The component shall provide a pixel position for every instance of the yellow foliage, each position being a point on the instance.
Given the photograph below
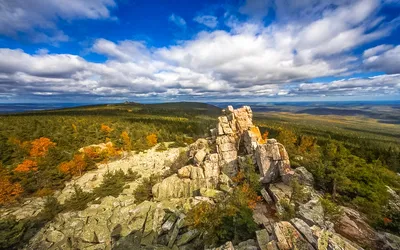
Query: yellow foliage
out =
(151, 140)
(44, 192)
(74, 128)
(26, 166)
(40, 147)
(106, 128)
(126, 140)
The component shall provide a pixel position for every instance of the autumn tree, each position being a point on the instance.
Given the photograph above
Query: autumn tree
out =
(106, 129)
(40, 147)
(265, 135)
(151, 140)
(26, 166)
(74, 167)
(8, 191)
(127, 141)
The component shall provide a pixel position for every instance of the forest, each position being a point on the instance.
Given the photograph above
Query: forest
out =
(352, 160)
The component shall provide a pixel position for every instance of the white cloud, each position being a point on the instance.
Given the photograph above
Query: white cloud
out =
(378, 85)
(377, 50)
(209, 21)
(383, 58)
(248, 60)
(38, 18)
(177, 20)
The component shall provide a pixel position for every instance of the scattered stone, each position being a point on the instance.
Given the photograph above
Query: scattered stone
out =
(272, 245)
(186, 237)
(199, 156)
(266, 196)
(312, 212)
(211, 193)
(169, 223)
(262, 238)
(305, 230)
(288, 237)
(304, 177)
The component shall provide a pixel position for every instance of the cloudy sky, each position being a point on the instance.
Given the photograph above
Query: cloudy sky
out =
(170, 50)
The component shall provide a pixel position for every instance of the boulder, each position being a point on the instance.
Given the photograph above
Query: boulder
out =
(272, 245)
(186, 237)
(389, 241)
(394, 201)
(279, 191)
(330, 240)
(175, 187)
(312, 212)
(169, 223)
(352, 226)
(266, 196)
(227, 246)
(273, 161)
(211, 193)
(304, 177)
(262, 238)
(199, 156)
(288, 237)
(211, 167)
(184, 172)
(305, 230)
(247, 245)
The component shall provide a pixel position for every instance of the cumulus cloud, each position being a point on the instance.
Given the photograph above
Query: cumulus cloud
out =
(250, 59)
(38, 18)
(209, 21)
(177, 20)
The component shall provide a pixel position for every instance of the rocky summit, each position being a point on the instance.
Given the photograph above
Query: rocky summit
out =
(160, 223)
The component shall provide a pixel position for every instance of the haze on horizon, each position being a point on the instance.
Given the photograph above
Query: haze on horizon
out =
(154, 51)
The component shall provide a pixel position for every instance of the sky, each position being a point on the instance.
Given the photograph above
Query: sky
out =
(167, 50)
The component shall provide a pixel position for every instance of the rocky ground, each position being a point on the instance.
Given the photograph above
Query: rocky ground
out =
(121, 223)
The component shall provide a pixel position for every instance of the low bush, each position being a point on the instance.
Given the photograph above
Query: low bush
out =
(143, 191)
(332, 211)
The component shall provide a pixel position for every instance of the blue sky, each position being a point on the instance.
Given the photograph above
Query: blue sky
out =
(151, 51)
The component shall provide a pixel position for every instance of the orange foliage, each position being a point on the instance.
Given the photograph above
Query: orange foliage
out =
(126, 140)
(9, 191)
(75, 166)
(257, 133)
(26, 166)
(251, 196)
(151, 139)
(106, 129)
(239, 177)
(40, 147)
(92, 152)
(265, 135)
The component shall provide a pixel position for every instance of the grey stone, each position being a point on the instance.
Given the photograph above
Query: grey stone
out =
(262, 238)
(305, 230)
(312, 212)
(186, 237)
(266, 196)
(169, 223)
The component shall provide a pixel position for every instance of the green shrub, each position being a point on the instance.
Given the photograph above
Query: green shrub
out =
(11, 232)
(78, 200)
(288, 210)
(162, 147)
(332, 211)
(143, 191)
